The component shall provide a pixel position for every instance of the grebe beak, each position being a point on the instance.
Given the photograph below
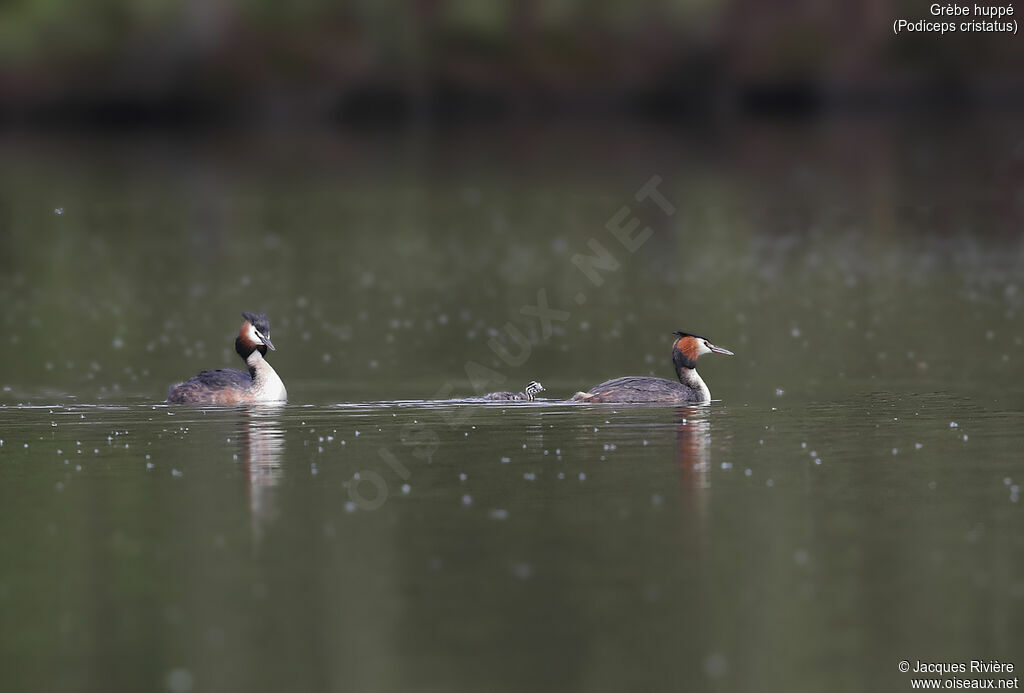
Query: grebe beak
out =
(265, 340)
(719, 350)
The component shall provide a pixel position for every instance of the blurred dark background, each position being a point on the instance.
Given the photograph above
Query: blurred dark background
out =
(365, 169)
(115, 64)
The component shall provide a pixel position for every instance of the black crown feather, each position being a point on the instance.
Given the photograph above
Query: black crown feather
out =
(260, 321)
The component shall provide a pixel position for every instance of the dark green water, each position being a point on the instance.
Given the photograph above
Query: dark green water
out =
(850, 499)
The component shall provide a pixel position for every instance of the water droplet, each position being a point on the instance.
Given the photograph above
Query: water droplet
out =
(523, 571)
(179, 681)
(715, 665)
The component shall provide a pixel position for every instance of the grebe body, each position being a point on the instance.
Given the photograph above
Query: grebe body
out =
(690, 388)
(529, 393)
(260, 383)
(637, 389)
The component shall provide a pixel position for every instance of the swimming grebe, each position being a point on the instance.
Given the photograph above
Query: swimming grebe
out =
(527, 395)
(228, 386)
(691, 388)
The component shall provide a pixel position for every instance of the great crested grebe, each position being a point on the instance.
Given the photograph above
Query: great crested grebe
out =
(527, 395)
(229, 386)
(691, 388)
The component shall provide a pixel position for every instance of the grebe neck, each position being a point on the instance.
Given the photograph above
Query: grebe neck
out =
(691, 379)
(265, 380)
(255, 362)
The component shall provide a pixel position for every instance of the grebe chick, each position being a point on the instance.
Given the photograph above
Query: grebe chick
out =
(527, 395)
(690, 389)
(229, 386)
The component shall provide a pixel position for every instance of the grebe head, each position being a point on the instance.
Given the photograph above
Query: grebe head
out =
(689, 347)
(533, 388)
(254, 335)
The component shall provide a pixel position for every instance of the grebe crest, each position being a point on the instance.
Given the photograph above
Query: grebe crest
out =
(686, 349)
(228, 386)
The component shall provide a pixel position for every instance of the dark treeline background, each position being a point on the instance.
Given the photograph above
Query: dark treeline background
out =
(112, 63)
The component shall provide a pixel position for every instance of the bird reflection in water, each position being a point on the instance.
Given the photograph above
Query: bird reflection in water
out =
(262, 447)
(693, 457)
